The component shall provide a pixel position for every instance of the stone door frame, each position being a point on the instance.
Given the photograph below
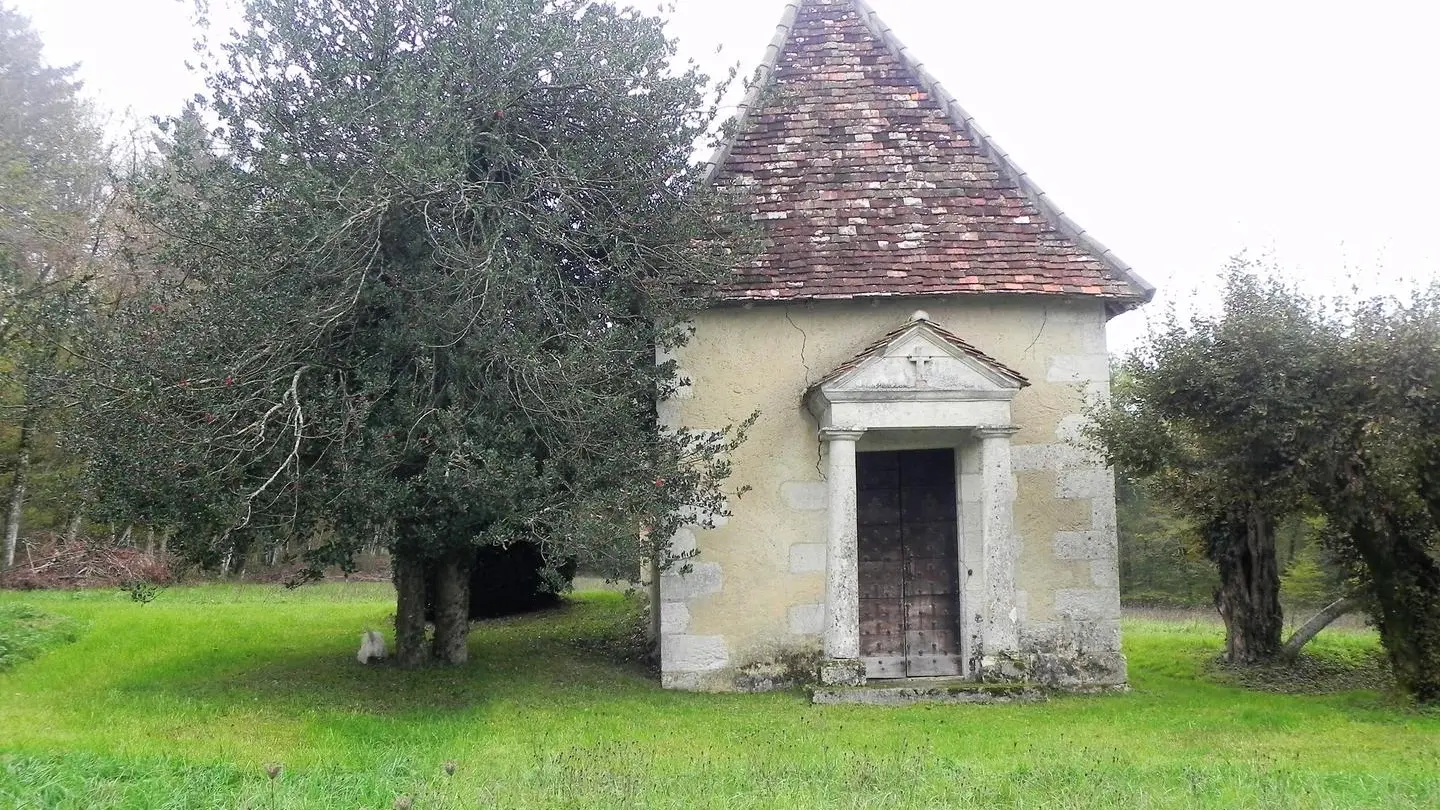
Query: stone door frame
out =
(890, 391)
(994, 610)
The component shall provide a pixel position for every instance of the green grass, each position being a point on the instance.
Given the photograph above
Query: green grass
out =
(26, 632)
(182, 702)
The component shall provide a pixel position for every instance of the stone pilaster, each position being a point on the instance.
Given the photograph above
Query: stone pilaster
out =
(1000, 548)
(842, 570)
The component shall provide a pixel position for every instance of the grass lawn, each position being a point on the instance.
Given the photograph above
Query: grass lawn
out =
(182, 703)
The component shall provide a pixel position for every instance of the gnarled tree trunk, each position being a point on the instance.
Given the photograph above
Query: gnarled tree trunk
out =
(1242, 544)
(1405, 580)
(452, 608)
(409, 574)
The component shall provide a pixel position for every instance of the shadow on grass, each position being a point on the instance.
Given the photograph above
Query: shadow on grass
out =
(586, 645)
(1321, 671)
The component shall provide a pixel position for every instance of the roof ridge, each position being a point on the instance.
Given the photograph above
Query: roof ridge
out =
(966, 121)
(755, 89)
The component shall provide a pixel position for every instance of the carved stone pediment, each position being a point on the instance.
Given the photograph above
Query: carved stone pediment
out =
(920, 362)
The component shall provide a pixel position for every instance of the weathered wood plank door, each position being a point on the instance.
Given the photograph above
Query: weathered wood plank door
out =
(909, 563)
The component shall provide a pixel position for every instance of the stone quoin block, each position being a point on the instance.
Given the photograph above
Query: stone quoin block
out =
(682, 652)
(1071, 430)
(674, 617)
(807, 620)
(1090, 545)
(807, 558)
(1102, 515)
(704, 578)
(1105, 573)
(1088, 604)
(683, 541)
(806, 496)
(1085, 482)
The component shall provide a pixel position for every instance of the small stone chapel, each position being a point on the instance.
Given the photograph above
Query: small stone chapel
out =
(921, 335)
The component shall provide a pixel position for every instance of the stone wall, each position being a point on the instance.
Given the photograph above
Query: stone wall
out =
(749, 613)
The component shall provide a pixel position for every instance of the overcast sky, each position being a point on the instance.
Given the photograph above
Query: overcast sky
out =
(1177, 134)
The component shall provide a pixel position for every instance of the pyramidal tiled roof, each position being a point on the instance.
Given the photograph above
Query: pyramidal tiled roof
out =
(870, 180)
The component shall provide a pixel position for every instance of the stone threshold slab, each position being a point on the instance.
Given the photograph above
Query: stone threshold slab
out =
(911, 691)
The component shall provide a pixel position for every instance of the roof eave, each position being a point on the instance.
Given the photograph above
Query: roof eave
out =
(1114, 304)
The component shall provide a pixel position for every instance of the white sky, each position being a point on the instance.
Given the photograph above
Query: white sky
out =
(1177, 134)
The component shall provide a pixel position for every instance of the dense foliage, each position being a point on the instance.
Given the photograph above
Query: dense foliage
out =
(1280, 407)
(417, 277)
(1374, 466)
(53, 199)
(1196, 411)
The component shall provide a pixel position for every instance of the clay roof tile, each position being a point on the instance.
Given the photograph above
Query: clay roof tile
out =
(867, 178)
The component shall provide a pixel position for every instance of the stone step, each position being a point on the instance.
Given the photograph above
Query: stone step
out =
(910, 691)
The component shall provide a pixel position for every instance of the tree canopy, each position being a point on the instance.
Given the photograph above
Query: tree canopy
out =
(419, 260)
(54, 192)
(1281, 405)
(1215, 412)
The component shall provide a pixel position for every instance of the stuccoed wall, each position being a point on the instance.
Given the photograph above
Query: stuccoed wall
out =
(749, 614)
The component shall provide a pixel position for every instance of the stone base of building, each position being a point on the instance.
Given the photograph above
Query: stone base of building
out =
(842, 672)
(1054, 670)
(1058, 671)
(907, 692)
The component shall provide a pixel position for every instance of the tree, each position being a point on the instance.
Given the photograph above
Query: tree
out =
(1282, 406)
(1212, 413)
(420, 265)
(53, 193)
(1375, 471)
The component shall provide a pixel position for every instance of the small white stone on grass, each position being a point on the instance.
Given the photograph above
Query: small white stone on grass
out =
(372, 647)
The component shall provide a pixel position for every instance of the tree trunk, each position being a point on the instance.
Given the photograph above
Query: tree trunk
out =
(652, 591)
(1409, 623)
(409, 574)
(1242, 544)
(1405, 581)
(72, 529)
(1318, 622)
(16, 507)
(452, 608)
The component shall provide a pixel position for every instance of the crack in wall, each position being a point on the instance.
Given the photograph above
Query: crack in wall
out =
(1044, 319)
(804, 343)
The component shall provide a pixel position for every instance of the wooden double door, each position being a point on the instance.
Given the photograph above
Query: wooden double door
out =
(909, 563)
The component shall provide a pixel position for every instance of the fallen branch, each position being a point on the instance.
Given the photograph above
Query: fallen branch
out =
(1317, 623)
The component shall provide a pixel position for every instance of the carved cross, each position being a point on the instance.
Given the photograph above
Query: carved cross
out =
(921, 362)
